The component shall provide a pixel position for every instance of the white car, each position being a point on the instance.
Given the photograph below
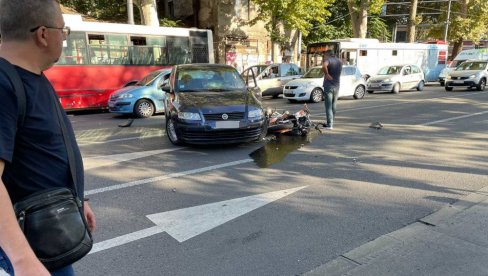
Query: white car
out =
(310, 86)
(396, 78)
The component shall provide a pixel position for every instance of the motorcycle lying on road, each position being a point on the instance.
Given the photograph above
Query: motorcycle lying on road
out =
(296, 124)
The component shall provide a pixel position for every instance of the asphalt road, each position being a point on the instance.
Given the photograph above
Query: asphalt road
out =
(304, 203)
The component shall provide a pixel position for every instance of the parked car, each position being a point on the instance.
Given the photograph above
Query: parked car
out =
(397, 78)
(471, 73)
(211, 104)
(310, 86)
(471, 54)
(271, 78)
(143, 98)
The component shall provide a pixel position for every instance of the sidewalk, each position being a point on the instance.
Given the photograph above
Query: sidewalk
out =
(451, 241)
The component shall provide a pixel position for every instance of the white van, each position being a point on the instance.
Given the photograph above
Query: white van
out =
(473, 54)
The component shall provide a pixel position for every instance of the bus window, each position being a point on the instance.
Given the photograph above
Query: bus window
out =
(98, 49)
(75, 52)
(118, 49)
(179, 50)
(158, 49)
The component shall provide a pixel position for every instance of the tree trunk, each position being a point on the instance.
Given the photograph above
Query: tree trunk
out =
(457, 47)
(359, 17)
(149, 12)
(411, 21)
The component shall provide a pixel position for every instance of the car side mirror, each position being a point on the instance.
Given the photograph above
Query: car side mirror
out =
(166, 88)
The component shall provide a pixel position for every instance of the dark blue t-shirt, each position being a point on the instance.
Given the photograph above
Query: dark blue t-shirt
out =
(35, 155)
(335, 69)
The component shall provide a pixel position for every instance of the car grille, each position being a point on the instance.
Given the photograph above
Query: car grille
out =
(289, 94)
(375, 81)
(221, 136)
(459, 78)
(291, 87)
(218, 116)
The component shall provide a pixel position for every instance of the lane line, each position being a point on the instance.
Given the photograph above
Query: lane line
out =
(454, 118)
(119, 140)
(402, 103)
(107, 160)
(163, 177)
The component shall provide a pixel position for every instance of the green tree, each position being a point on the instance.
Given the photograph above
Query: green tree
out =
(281, 16)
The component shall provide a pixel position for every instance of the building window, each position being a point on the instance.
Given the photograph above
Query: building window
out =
(394, 53)
(363, 53)
(241, 8)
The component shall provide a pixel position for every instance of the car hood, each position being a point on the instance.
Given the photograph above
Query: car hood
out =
(208, 102)
(445, 71)
(464, 73)
(383, 77)
(132, 89)
(305, 82)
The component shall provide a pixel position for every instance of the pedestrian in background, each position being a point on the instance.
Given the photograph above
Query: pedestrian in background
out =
(33, 157)
(332, 67)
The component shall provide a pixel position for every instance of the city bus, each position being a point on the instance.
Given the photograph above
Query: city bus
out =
(370, 55)
(99, 58)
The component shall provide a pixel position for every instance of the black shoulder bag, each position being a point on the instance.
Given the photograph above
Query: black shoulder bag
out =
(52, 220)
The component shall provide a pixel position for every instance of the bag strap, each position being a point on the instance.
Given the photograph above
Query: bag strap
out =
(67, 141)
(16, 82)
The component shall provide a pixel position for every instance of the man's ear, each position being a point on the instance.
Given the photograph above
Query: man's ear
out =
(41, 36)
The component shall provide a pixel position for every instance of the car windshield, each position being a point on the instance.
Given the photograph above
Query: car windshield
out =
(390, 70)
(471, 65)
(149, 79)
(214, 79)
(314, 73)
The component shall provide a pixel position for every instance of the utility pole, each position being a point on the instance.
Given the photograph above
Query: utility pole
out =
(130, 12)
(447, 20)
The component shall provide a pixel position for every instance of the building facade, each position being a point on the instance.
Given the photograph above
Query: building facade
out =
(236, 42)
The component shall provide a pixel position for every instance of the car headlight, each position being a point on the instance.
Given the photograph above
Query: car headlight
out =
(189, 116)
(472, 76)
(255, 114)
(387, 80)
(126, 96)
(448, 77)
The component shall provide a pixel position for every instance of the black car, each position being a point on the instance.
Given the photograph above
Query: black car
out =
(211, 104)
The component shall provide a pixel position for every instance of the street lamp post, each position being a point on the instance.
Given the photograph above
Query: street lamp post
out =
(447, 20)
(130, 12)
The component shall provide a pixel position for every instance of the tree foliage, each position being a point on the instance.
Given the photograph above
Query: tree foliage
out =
(291, 14)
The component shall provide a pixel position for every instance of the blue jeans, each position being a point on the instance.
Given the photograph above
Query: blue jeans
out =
(7, 267)
(330, 98)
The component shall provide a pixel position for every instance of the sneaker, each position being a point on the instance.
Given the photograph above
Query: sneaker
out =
(329, 127)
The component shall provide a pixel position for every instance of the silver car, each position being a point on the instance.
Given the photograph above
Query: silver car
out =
(396, 78)
(310, 86)
(271, 78)
(471, 73)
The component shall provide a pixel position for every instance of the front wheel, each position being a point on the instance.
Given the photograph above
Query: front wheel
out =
(481, 86)
(420, 86)
(316, 95)
(359, 92)
(172, 133)
(396, 88)
(143, 108)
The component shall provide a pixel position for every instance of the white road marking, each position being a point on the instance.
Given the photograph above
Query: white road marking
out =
(402, 103)
(82, 143)
(184, 224)
(454, 118)
(163, 177)
(100, 161)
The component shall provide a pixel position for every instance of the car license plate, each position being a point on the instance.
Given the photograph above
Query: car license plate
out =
(458, 81)
(227, 124)
(374, 85)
